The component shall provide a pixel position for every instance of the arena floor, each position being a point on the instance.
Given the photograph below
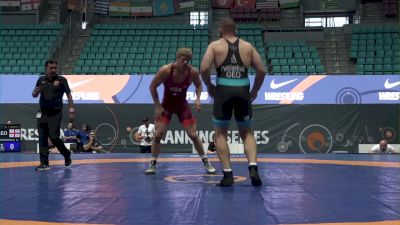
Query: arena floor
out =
(320, 189)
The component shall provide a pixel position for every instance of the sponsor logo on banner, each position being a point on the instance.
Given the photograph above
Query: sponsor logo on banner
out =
(390, 85)
(245, 4)
(191, 95)
(226, 4)
(96, 88)
(163, 7)
(282, 96)
(180, 137)
(274, 85)
(390, 95)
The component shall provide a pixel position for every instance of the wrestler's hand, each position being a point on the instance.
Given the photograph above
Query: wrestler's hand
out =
(159, 110)
(211, 90)
(253, 95)
(197, 105)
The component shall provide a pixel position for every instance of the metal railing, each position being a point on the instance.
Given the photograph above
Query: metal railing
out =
(41, 11)
(63, 11)
(69, 33)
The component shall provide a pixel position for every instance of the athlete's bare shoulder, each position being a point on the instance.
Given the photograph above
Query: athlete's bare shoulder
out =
(245, 43)
(216, 43)
(164, 72)
(193, 71)
(166, 68)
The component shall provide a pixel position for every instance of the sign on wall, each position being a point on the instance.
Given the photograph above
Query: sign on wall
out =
(134, 89)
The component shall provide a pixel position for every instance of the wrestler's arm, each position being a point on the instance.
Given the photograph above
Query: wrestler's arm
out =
(160, 77)
(258, 65)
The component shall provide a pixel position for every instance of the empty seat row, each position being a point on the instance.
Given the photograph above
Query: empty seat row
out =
(298, 69)
(21, 69)
(149, 38)
(385, 69)
(148, 32)
(294, 62)
(35, 26)
(18, 56)
(29, 32)
(380, 29)
(26, 50)
(378, 60)
(146, 26)
(289, 55)
(137, 50)
(21, 62)
(286, 43)
(133, 56)
(295, 49)
(27, 39)
(147, 44)
(379, 53)
(365, 48)
(128, 62)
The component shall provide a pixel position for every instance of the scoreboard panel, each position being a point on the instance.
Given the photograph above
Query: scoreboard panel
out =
(10, 137)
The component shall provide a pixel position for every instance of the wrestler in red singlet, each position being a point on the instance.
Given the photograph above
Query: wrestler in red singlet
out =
(174, 101)
(176, 78)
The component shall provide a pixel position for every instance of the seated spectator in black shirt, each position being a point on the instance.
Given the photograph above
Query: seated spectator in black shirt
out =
(92, 145)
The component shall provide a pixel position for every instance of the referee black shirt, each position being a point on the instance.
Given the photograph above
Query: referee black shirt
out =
(53, 90)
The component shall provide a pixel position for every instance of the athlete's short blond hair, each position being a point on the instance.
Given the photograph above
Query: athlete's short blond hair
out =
(185, 52)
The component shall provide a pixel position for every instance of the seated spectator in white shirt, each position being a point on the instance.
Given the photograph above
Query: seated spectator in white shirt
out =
(383, 148)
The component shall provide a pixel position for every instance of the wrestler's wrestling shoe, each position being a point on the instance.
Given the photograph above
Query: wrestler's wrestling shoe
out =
(255, 178)
(207, 165)
(152, 168)
(227, 180)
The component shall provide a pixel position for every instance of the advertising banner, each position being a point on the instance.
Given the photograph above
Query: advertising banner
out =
(134, 89)
(277, 128)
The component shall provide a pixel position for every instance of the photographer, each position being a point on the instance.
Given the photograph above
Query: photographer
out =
(92, 145)
(145, 135)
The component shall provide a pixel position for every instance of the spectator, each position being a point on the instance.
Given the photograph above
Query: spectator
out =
(92, 145)
(70, 134)
(84, 133)
(383, 148)
(145, 135)
(8, 122)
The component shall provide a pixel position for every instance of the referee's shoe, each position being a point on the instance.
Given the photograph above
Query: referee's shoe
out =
(42, 167)
(67, 159)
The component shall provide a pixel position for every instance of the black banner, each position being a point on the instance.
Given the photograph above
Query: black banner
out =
(277, 128)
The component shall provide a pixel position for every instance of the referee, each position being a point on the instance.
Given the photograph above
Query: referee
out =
(51, 88)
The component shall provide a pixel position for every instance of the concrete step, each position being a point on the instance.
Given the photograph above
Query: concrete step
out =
(54, 7)
(53, 12)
